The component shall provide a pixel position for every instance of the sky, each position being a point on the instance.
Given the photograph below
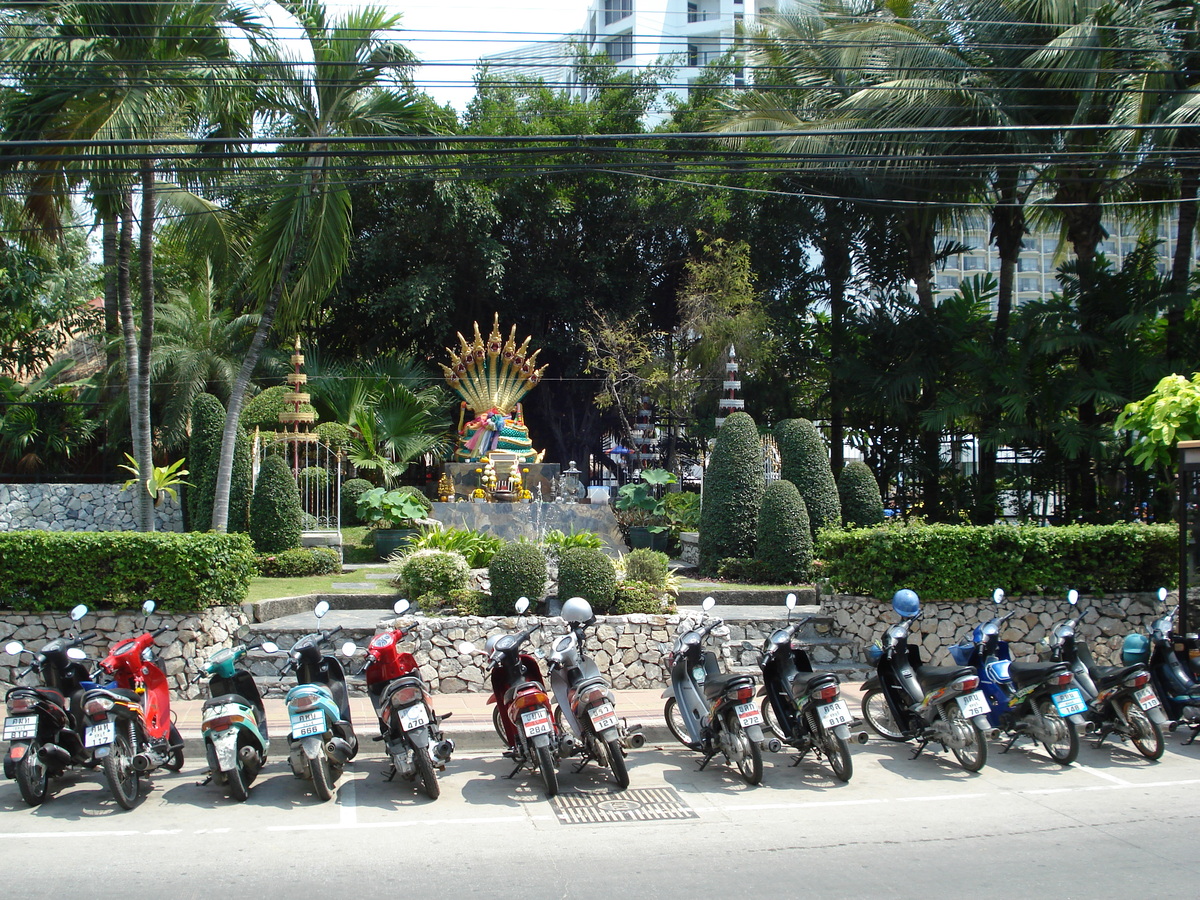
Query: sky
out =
(449, 36)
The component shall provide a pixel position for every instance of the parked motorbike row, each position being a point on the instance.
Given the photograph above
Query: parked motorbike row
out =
(117, 718)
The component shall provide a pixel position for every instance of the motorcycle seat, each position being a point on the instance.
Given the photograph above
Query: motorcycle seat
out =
(588, 683)
(939, 676)
(1109, 676)
(716, 685)
(1024, 674)
(48, 694)
(408, 681)
(222, 699)
(127, 693)
(807, 682)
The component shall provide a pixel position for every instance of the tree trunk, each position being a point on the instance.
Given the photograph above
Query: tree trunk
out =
(146, 458)
(836, 253)
(112, 305)
(129, 333)
(1181, 263)
(921, 234)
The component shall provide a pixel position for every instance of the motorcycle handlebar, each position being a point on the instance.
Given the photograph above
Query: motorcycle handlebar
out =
(85, 637)
(329, 634)
(157, 631)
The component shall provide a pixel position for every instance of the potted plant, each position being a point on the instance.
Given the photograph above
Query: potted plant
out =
(395, 516)
(642, 512)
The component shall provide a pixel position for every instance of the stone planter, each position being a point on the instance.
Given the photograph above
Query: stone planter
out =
(389, 540)
(641, 537)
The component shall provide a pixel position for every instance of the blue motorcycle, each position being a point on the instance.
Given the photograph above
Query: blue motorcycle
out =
(233, 721)
(1027, 699)
(1168, 657)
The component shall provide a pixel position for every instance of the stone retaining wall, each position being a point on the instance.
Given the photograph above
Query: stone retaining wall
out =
(78, 507)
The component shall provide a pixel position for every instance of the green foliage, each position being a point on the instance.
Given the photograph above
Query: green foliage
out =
(45, 428)
(204, 449)
(275, 512)
(641, 503)
(241, 483)
(805, 463)
(639, 597)
(649, 566)
(334, 435)
(352, 490)
(956, 562)
(784, 539)
(477, 603)
(53, 571)
(301, 562)
(744, 571)
(733, 490)
(402, 507)
(556, 540)
(517, 570)
(437, 572)
(314, 478)
(858, 490)
(476, 547)
(683, 510)
(262, 410)
(162, 479)
(587, 573)
(1170, 413)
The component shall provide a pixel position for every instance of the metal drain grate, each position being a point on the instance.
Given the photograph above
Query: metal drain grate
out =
(631, 805)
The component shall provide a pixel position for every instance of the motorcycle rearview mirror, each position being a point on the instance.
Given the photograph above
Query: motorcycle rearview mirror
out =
(1162, 595)
(400, 606)
(12, 648)
(466, 648)
(79, 612)
(1073, 596)
(321, 608)
(269, 646)
(998, 596)
(349, 648)
(148, 607)
(522, 605)
(243, 632)
(708, 604)
(790, 601)
(76, 653)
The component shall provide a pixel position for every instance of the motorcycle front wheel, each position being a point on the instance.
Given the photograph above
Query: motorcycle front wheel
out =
(972, 756)
(878, 715)
(498, 723)
(675, 724)
(771, 723)
(123, 779)
(322, 775)
(749, 761)
(175, 758)
(1065, 746)
(837, 751)
(549, 772)
(616, 762)
(32, 776)
(1143, 731)
(425, 769)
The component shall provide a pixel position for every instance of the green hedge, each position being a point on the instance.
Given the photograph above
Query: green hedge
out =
(958, 562)
(784, 545)
(862, 504)
(301, 562)
(587, 573)
(53, 571)
(275, 514)
(733, 490)
(517, 570)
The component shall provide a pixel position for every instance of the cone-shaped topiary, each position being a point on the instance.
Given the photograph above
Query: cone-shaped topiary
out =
(586, 572)
(275, 509)
(784, 538)
(240, 487)
(733, 491)
(862, 503)
(517, 570)
(805, 463)
(204, 449)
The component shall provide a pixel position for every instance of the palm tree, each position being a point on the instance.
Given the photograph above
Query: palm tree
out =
(343, 93)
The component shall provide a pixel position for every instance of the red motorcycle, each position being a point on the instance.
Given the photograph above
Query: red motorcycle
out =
(128, 723)
(523, 717)
(408, 725)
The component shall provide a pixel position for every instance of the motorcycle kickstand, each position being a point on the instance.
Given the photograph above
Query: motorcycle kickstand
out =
(390, 774)
(520, 766)
(920, 748)
(708, 755)
(207, 780)
(1011, 742)
(1195, 732)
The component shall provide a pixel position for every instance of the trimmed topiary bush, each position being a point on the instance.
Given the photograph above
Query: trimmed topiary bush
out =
(334, 435)
(744, 571)
(862, 504)
(587, 573)
(262, 410)
(241, 484)
(649, 566)
(805, 463)
(301, 562)
(431, 572)
(204, 452)
(351, 491)
(733, 490)
(275, 512)
(517, 570)
(784, 539)
(639, 597)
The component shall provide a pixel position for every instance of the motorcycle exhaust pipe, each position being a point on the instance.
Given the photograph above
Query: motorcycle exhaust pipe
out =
(53, 756)
(773, 745)
(338, 750)
(862, 737)
(636, 741)
(143, 763)
(442, 750)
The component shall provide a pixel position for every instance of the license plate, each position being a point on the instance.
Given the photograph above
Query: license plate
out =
(99, 735)
(1069, 703)
(1146, 698)
(20, 728)
(308, 724)
(748, 714)
(973, 704)
(413, 717)
(535, 722)
(834, 714)
(603, 716)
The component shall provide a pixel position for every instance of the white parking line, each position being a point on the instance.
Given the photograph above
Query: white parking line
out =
(1099, 774)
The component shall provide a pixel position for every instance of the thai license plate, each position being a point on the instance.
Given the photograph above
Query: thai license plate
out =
(308, 724)
(1069, 703)
(20, 728)
(1146, 698)
(413, 716)
(748, 714)
(834, 714)
(100, 735)
(603, 716)
(535, 722)
(973, 704)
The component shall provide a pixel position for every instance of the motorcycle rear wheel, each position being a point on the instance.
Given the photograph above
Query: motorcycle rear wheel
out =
(837, 751)
(123, 779)
(549, 772)
(973, 756)
(616, 762)
(32, 776)
(878, 715)
(1143, 731)
(1063, 750)
(425, 769)
(322, 776)
(239, 785)
(749, 761)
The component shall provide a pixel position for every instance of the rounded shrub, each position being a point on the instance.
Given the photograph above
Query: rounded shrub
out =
(262, 410)
(805, 463)
(862, 504)
(517, 570)
(733, 489)
(334, 435)
(351, 491)
(785, 546)
(649, 566)
(275, 510)
(639, 597)
(314, 478)
(431, 572)
(301, 562)
(476, 603)
(204, 452)
(587, 573)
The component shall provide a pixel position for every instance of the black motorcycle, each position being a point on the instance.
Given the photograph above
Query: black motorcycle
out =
(42, 726)
(1168, 657)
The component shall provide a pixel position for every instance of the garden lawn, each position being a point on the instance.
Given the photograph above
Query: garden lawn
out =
(271, 588)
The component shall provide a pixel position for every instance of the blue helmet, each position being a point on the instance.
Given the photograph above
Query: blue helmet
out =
(906, 603)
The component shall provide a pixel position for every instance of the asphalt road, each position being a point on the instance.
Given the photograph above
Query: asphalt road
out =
(1113, 825)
